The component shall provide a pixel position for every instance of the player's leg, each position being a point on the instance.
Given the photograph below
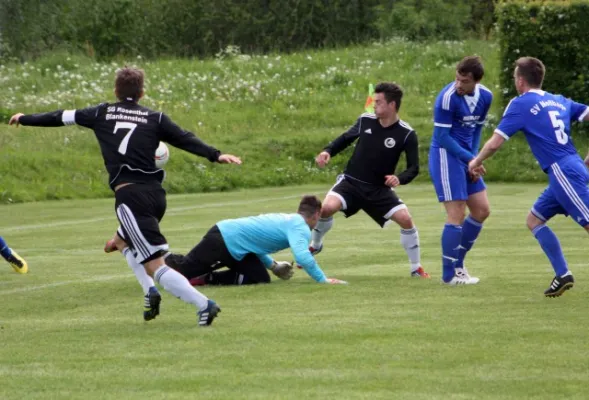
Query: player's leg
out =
(248, 271)
(340, 197)
(545, 207)
(568, 187)
(139, 210)
(480, 209)
(16, 262)
(383, 205)
(449, 180)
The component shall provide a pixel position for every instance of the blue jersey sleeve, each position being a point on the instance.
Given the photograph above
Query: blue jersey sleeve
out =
(298, 239)
(512, 120)
(443, 113)
(266, 260)
(578, 111)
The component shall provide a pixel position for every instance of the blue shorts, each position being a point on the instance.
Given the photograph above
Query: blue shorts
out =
(450, 176)
(567, 192)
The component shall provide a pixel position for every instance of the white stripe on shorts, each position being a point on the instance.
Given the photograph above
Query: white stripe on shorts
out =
(570, 191)
(445, 175)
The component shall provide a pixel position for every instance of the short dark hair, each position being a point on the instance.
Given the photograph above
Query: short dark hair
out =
(129, 83)
(309, 206)
(392, 92)
(471, 65)
(531, 70)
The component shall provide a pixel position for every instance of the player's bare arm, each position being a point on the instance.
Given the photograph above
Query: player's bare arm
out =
(490, 148)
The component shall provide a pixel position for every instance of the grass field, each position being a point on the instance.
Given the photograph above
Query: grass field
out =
(276, 111)
(72, 328)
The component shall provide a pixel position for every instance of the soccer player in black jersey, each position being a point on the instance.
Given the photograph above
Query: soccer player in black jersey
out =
(128, 135)
(369, 179)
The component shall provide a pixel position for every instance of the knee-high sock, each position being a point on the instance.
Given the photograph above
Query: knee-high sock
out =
(323, 226)
(451, 237)
(139, 270)
(551, 246)
(410, 242)
(470, 232)
(178, 285)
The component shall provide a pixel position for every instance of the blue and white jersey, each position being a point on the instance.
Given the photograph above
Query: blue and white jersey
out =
(545, 120)
(462, 114)
(269, 233)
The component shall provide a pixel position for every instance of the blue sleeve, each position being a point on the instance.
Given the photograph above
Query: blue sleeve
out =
(578, 111)
(512, 121)
(298, 240)
(266, 260)
(476, 139)
(442, 135)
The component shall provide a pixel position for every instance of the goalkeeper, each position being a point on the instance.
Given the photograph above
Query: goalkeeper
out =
(243, 246)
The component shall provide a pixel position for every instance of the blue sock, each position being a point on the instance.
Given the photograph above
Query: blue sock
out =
(470, 231)
(4, 249)
(451, 237)
(551, 247)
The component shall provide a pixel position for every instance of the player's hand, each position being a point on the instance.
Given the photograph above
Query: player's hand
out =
(474, 166)
(322, 159)
(229, 159)
(587, 160)
(333, 281)
(476, 174)
(392, 181)
(282, 269)
(14, 120)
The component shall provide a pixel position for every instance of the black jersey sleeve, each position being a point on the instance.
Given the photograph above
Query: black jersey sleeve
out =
(85, 117)
(344, 140)
(411, 149)
(187, 141)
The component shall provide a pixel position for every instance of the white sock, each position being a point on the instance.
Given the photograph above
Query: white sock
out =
(410, 242)
(323, 226)
(139, 270)
(178, 285)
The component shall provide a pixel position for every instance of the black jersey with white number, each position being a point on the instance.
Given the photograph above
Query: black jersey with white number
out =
(378, 150)
(128, 135)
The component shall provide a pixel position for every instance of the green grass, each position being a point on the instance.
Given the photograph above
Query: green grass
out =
(276, 111)
(72, 327)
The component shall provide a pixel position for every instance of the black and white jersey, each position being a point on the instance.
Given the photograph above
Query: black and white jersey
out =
(378, 150)
(128, 135)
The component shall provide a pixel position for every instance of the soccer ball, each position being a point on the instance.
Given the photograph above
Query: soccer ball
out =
(162, 155)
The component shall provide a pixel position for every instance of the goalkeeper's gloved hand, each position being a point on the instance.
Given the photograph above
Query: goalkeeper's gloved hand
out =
(282, 269)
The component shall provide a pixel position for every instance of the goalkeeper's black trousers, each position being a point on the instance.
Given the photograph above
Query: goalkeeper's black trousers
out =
(210, 255)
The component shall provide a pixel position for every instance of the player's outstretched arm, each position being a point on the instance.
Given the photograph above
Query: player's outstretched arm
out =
(50, 119)
(298, 242)
(339, 144)
(490, 148)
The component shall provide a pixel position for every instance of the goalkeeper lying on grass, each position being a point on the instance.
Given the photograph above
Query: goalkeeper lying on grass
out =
(243, 246)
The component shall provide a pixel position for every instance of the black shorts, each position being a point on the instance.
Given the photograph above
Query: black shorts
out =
(211, 253)
(140, 208)
(379, 202)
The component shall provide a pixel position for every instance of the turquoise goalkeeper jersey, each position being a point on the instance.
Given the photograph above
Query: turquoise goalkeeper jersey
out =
(268, 233)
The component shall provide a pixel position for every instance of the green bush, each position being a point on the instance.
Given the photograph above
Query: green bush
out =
(153, 28)
(553, 31)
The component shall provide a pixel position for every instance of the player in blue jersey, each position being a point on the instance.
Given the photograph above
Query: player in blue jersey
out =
(17, 262)
(545, 119)
(459, 114)
(244, 244)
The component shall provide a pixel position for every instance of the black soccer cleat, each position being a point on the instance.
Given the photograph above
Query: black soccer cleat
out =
(152, 304)
(206, 316)
(559, 285)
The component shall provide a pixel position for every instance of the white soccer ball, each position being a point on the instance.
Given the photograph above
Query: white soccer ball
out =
(162, 155)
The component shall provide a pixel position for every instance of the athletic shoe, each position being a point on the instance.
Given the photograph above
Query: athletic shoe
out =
(559, 285)
(110, 246)
(198, 280)
(314, 252)
(206, 316)
(461, 280)
(420, 273)
(463, 273)
(17, 262)
(152, 304)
